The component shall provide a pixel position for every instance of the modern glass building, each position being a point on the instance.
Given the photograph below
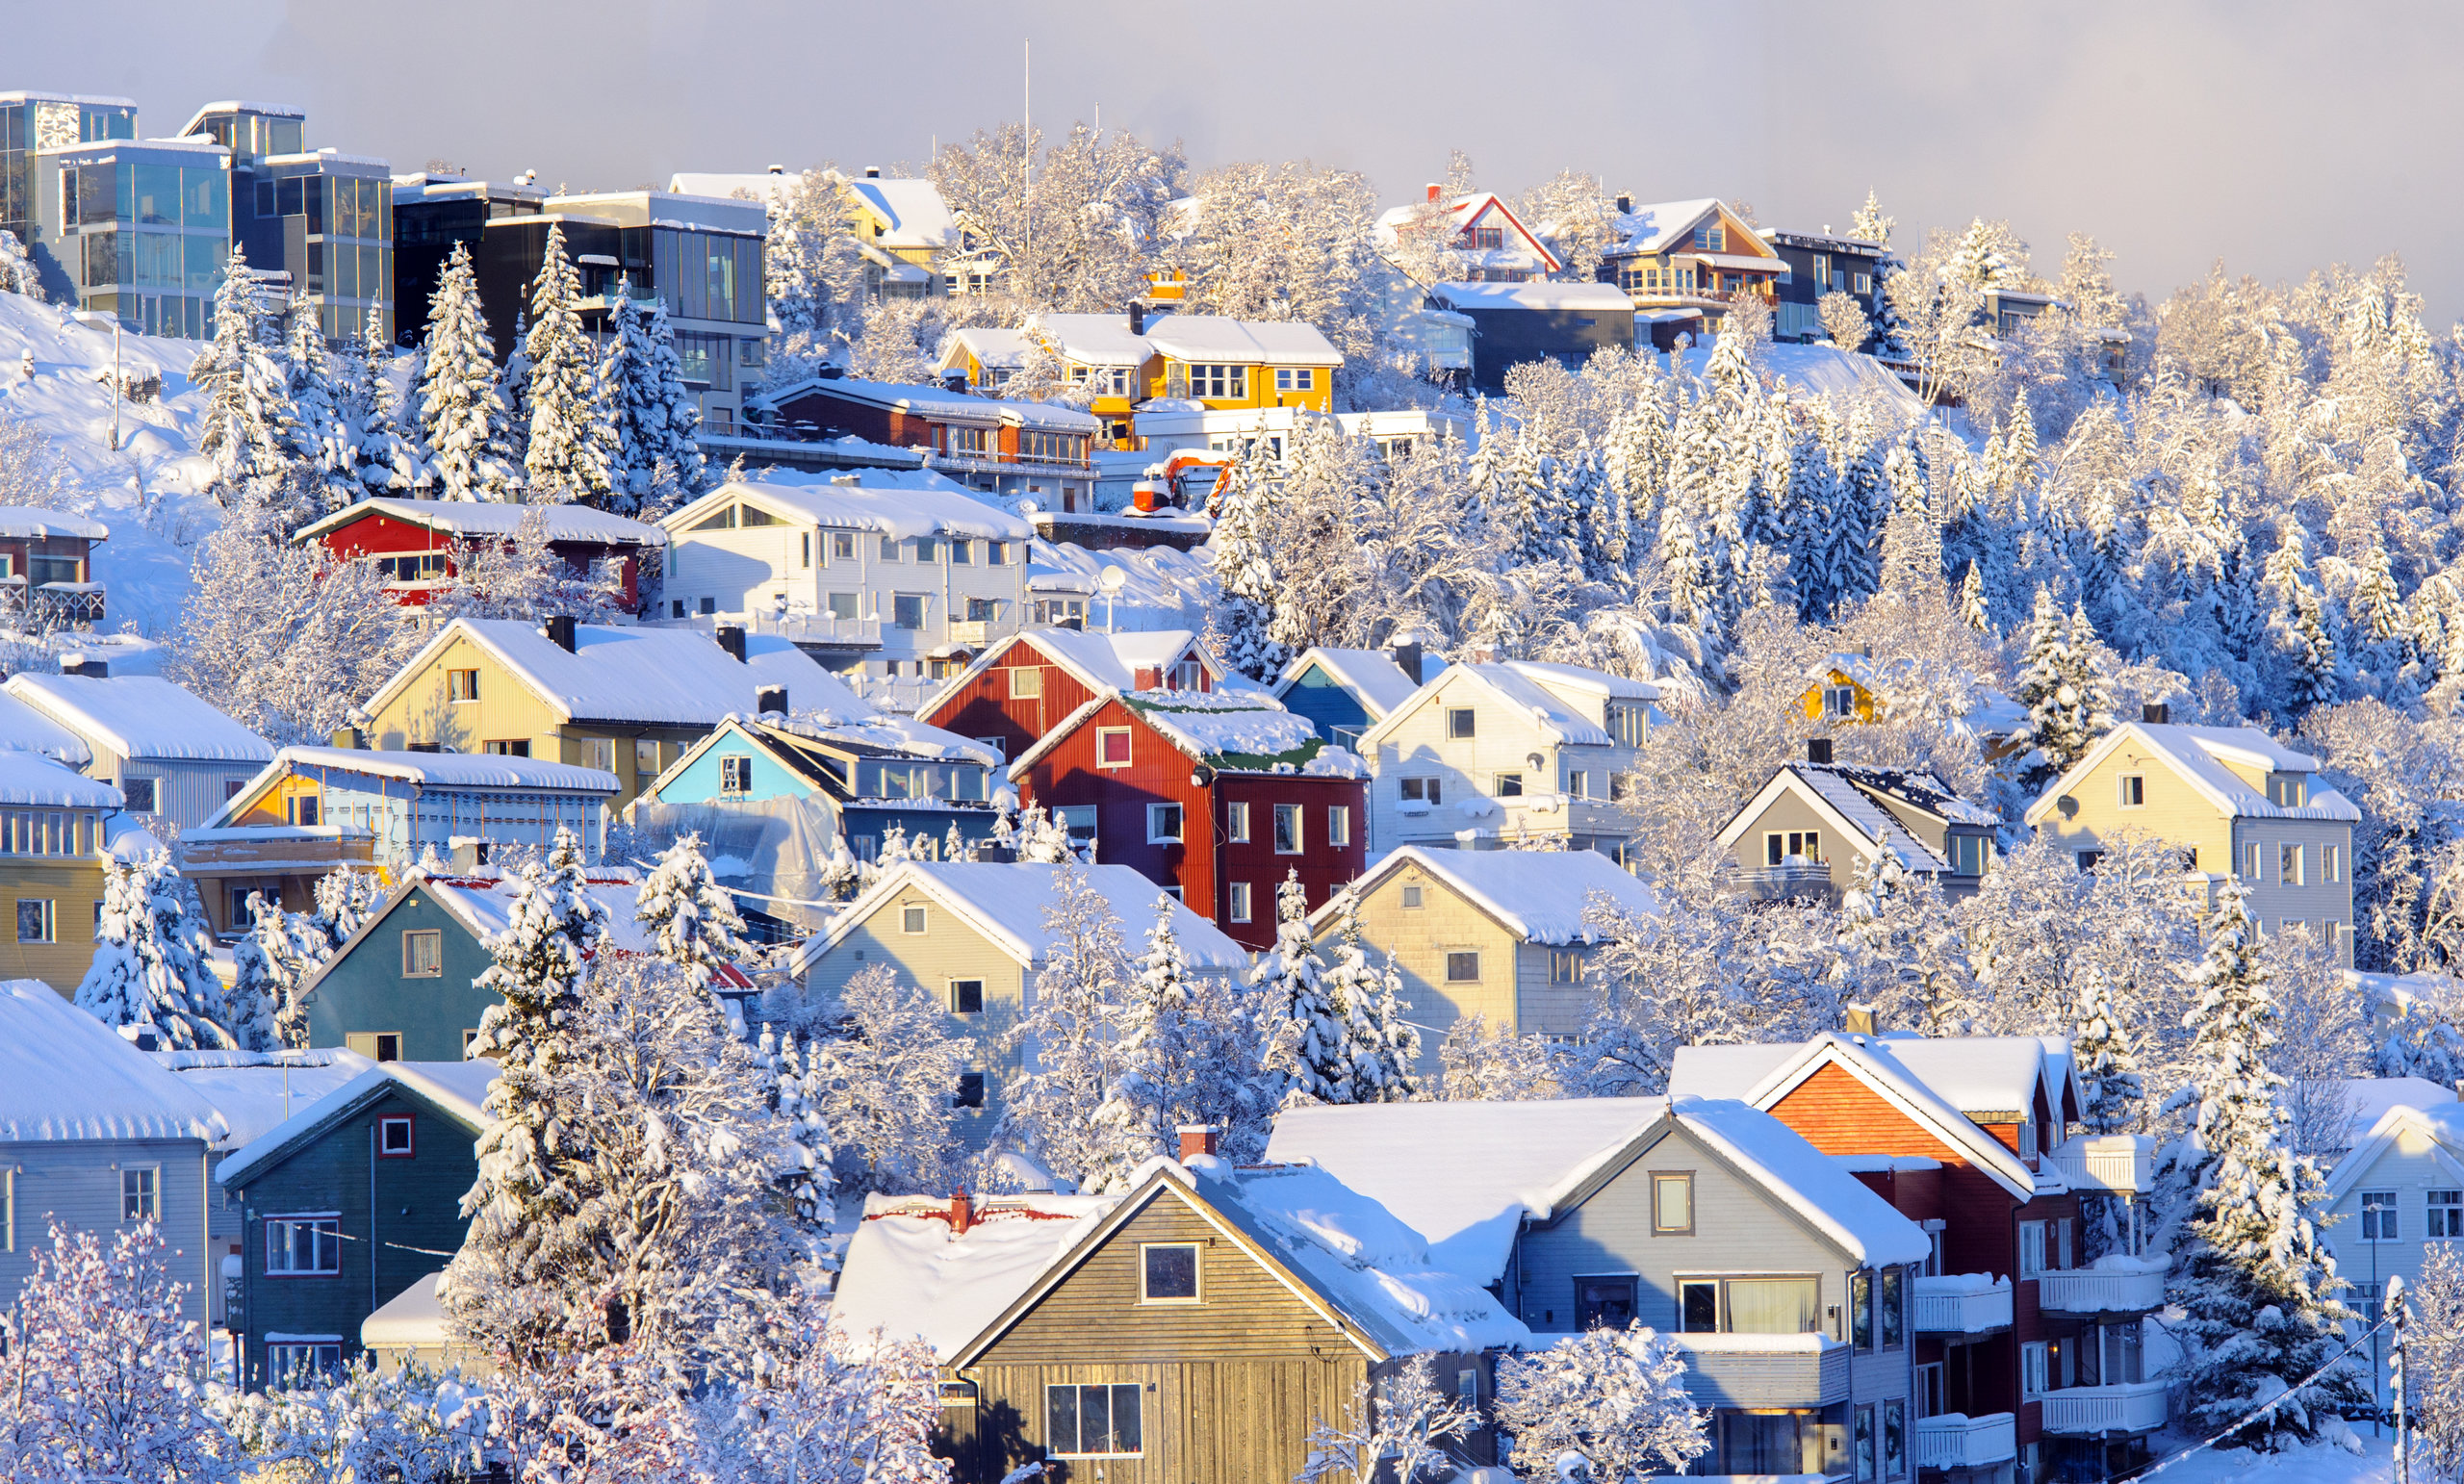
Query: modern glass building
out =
(33, 124)
(141, 228)
(326, 218)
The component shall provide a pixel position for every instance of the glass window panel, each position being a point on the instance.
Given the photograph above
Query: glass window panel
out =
(97, 197)
(206, 199)
(282, 136)
(748, 284)
(126, 207)
(158, 260)
(693, 276)
(1060, 1419)
(316, 268)
(345, 272)
(125, 270)
(288, 199)
(1772, 1306)
(205, 256)
(721, 260)
(157, 193)
(384, 232)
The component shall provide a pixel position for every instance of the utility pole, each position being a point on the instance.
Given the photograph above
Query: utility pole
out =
(2395, 1317)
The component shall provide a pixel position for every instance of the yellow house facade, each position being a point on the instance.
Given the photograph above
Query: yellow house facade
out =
(57, 829)
(2234, 801)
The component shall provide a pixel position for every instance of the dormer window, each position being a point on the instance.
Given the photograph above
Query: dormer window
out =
(2288, 790)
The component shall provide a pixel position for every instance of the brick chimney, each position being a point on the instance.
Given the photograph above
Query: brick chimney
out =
(1199, 1139)
(1433, 188)
(962, 1214)
(2156, 714)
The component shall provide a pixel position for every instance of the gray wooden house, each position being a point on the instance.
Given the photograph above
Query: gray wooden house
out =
(168, 751)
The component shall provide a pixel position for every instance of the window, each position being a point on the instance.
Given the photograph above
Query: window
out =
(911, 919)
(1969, 853)
(140, 1193)
(1863, 1444)
(1466, 1387)
(519, 747)
(294, 1361)
(1295, 378)
(970, 1093)
(297, 1245)
(842, 546)
(461, 685)
(1420, 790)
(1237, 908)
(1026, 683)
(36, 922)
(2087, 858)
(2331, 864)
(1412, 898)
(1771, 1306)
(2445, 1215)
(424, 952)
(1236, 823)
(1091, 1421)
(2288, 864)
(906, 610)
(140, 794)
(1339, 825)
(736, 774)
(1163, 824)
(1458, 721)
(2036, 1369)
(2032, 1245)
(394, 1137)
(1112, 746)
(963, 554)
(2378, 1216)
(1711, 236)
(1167, 1272)
(708, 605)
(1860, 1309)
(1603, 1303)
(2134, 790)
(1185, 675)
(1861, 283)
(1578, 785)
(927, 550)
(1839, 701)
(2253, 864)
(1673, 1204)
(1893, 1310)
(1931, 1390)
(1565, 965)
(1463, 968)
(2120, 1359)
(1698, 1308)
(966, 997)
(2288, 790)
(1287, 829)
(1079, 819)
(1219, 382)
(1777, 845)
(1509, 786)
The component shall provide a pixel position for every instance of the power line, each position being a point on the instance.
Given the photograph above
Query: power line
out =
(2255, 1413)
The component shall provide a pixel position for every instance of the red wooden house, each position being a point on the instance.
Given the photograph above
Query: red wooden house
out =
(1969, 1138)
(48, 563)
(1003, 448)
(414, 540)
(1017, 691)
(1213, 796)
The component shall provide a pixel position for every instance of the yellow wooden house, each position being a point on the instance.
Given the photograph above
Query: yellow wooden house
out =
(1848, 689)
(906, 233)
(1217, 363)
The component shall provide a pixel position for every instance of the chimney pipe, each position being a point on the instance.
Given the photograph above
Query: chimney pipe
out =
(2156, 714)
(1818, 750)
(348, 738)
(1137, 318)
(1860, 1021)
(1409, 658)
(1433, 188)
(872, 172)
(560, 631)
(962, 1214)
(777, 169)
(731, 637)
(768, 700)
(1199, 1139)
(1625, 206)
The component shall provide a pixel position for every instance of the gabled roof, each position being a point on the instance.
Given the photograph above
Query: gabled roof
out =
(25, 730)
(23, 521)
(910, 1272)
(2198, 756)
(1537, 690)
(256, 1091)
(1094, 339)
(140, 716)
(1097, 661)
(1369, 676)
(1846, 795)
(64, 1076)
(993, 348)
(912, 212)
(465, 519)
(1463, 213)
(1811, 1185)
(1230, 731)
(2443, 1125)
(1655, 227)
(1537, 895)
(458, 1089)
(1215, 337)
(427, 770)
(807, 748)
(894, 502)
(1005, 904)
(656, 677)
(35, 779)
(937, 402)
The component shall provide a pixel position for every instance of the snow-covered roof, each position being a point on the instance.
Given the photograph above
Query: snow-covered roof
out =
(913, 211)
(414, 1318)
(1846, 794)
(1005, 903)
(1582, 680)
(468, 518)
(2201, 755)
(1230, 727)
(989, 346)
(457, 1088)
(447, 770)
(665, 676)
(1464, 212)
(1654, 227)
(937, 402)
(484, 904)
(1369, 676)
(2370, 1097)
(1094, 339)
(768, 187)
(97, 99)
(64, 1075)
(1538, 895)
(24, 522)
(1600, 298)
(911, 1274)
(140, 716)
(1537, 690)
(256, 1091)
(1826, 1196)
(1099, 661)
(33, 779)
(25, 730)
(1217, 338)
(879, 501)
(242, 106)
(1464, 1174)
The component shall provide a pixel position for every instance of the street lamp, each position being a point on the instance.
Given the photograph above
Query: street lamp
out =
(96, 319)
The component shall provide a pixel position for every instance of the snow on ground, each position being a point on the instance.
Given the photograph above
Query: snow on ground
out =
(1816, 371)
(150, 493)
(2323, 1465)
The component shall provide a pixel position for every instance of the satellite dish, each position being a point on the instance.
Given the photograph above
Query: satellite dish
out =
(1112, 580)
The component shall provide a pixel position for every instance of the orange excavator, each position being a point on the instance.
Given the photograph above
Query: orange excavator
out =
(1188, 480)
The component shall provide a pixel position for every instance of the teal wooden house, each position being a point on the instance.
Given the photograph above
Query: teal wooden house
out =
(857, 781)
(1346, 692)
(345, 1205)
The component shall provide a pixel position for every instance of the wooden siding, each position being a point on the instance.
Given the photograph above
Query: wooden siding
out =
(78, 1183)
(1513, 990)
(2412, 1165)
(1504, 739)
(984, 708)
(73, 884)
(380, 534)
(1794, 1379)
(1789, 812)
(364, 991)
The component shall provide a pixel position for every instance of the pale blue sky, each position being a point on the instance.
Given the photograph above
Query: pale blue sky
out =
(2279, 137)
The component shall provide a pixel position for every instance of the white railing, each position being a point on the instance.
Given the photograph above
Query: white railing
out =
(803, 627)
(2101, 1290)
(1962, 1310)
(2136, 1406)
(1953, 1440)
(2120, 1164)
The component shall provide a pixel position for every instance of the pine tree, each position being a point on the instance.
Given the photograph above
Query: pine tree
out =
(2070, 705)
(688, 916)
(247, 427)
(1304, 1049)
(462, 420)
(1244, 568)
(659, 465)
(2256, 1287)
(2103, 1049)
(149, 965)
(1381, 1049)
(321, 445)
(1972, 607)
(1154, 1085)
(384, 454)
(262, 996)
(566, 456)
(2317, 668)
(515, 379)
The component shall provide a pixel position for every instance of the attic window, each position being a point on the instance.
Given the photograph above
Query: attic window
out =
(1170, 1273)
(1458, 722)
(911, 919)
(2134, 790)
(393, 1137)
(753, 517)
(2288, 790)
(1711, 236)
(1026, 683)
(724, 519)
(1839, 701)
(736, 774)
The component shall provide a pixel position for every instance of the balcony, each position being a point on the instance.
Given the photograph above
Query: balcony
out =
(995, 461)
(970, 630)
(1970, 1303)
(1764, 1370)
(1953, 1440)
(2102, 1289)
(2111, 1164)
(2099, 1411)
(815, 630)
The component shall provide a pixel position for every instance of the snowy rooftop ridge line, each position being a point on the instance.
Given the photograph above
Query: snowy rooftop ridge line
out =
(64, 1075)
(140, 716)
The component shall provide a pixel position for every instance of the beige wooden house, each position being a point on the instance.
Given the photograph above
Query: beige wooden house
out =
(1814, 823)
(2234, 802)
(1502, 934)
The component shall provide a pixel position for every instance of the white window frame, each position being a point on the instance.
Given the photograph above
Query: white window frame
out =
(146, 1195)
(1471, 723)
(1156, 816)
(1236, 823)
(2446, 1204)
(2331, 864)
(2292, 864)
(2254, 861)
(913, 919)
(2033, 1248)
(386, 1125)
(1431, 791)
(1197, 1273)
(2130, 791)
(1237, 907)
(1339, 825)
(1298, 834)
(1026, 683)
(736, 774)
(2381, 1218)
(1104, 735)
(2036, 1369)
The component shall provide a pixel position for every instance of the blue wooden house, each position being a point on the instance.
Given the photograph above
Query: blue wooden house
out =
(347, 1204)
(1346, 692)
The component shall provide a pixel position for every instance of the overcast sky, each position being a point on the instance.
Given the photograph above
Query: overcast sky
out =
(2277, 138)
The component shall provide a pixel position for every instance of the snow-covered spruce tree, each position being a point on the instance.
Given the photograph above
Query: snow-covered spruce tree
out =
(321, 444)
(661, 464)
(536, 1212)
(2106, 1053)
(1303, 1043)
(344, 899)
(1188, 1055)
(805, 1174)
(2256, 1288)
(149, 964)
(1481, 1063)
(689, 917)
(384, 453)
(247, 429)
(817, 1404)
(17, 271)
(889, 1067)
(263, 986)
(1616, 1397)
(462, 415)
(1067, 1045)
(1381, 1049)
(117, 1394)
(2068, 701)
(566, 455)
(1244, 567)
(526, 578)
(277, 957)
(1399, 1437)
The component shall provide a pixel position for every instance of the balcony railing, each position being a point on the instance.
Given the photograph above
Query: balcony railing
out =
(996, 459)
(2101, 1290)
(970, 630)
(2116, 1163)
(2094, 1411)
(1798, 880)
(1764, 1371)
(1961, 1305)
(1953, 1440)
